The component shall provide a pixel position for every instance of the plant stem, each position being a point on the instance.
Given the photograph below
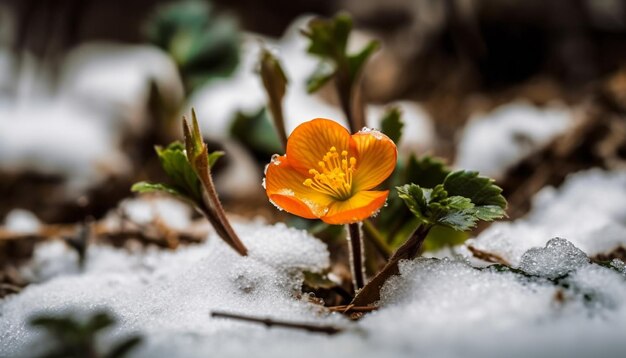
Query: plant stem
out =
(356, 256)
(216, 211)
(376, 238)
(270, 322)
(371, 292)
(279, 122)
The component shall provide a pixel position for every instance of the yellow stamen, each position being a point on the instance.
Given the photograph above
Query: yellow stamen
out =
(335, 175)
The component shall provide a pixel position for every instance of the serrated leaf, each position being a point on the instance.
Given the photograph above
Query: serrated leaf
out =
(323, 73)
(435, 207)
(329, 37)
(426, 171)
(460, 216)
(415, 199)
(489, 212)
(391, 123)
(482, 191)
(329, 41)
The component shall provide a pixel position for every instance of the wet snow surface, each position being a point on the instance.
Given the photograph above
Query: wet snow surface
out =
(553, 302)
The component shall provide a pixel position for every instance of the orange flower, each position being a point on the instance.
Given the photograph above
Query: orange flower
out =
(329, 174)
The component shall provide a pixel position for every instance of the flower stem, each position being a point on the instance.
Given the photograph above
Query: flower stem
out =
(356, 256)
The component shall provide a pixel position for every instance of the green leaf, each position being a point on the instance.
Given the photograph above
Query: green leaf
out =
(391, 123)
(174, 161)
(145, 187)
(256, 132)
(459, 203)
(357, 62)
(214, 156)
(434, 207)
(329, 37)
(458, 214)
(203, 44)
(323, 73)
(426, 171)
(482, 191)
(329, 41)
(415, 199)
(175, 164)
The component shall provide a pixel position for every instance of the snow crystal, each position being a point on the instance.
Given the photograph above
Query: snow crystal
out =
(558, 258)
(492, 143)
(619, 265)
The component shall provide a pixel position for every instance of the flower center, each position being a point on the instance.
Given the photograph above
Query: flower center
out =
(335, 175)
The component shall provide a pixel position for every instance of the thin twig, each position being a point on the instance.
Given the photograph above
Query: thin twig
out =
(270, 322)
(352, 308)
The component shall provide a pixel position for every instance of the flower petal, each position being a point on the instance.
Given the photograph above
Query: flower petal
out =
(284, 188)
(359, 207)
(377, 156)
(311, 140)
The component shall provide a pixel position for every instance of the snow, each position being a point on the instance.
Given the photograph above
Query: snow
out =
(588, 210)
(171, 293)
(493, 142)
(556, 303)
(21, 221)
(75, 130)
(557, 259)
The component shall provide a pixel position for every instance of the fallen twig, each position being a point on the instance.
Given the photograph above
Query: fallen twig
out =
(352, 308)
(270, 322)
(487, 256)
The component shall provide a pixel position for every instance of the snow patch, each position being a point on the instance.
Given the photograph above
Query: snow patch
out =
(491, 143)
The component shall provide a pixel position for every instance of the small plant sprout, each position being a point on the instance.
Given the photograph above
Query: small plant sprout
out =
(189, 167)
(329, 41)
(329, 174)
(275, 84)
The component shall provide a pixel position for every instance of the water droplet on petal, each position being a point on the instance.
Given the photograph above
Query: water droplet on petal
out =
(276, 159)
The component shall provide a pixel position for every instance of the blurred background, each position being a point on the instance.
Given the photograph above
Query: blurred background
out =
(524, 91)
